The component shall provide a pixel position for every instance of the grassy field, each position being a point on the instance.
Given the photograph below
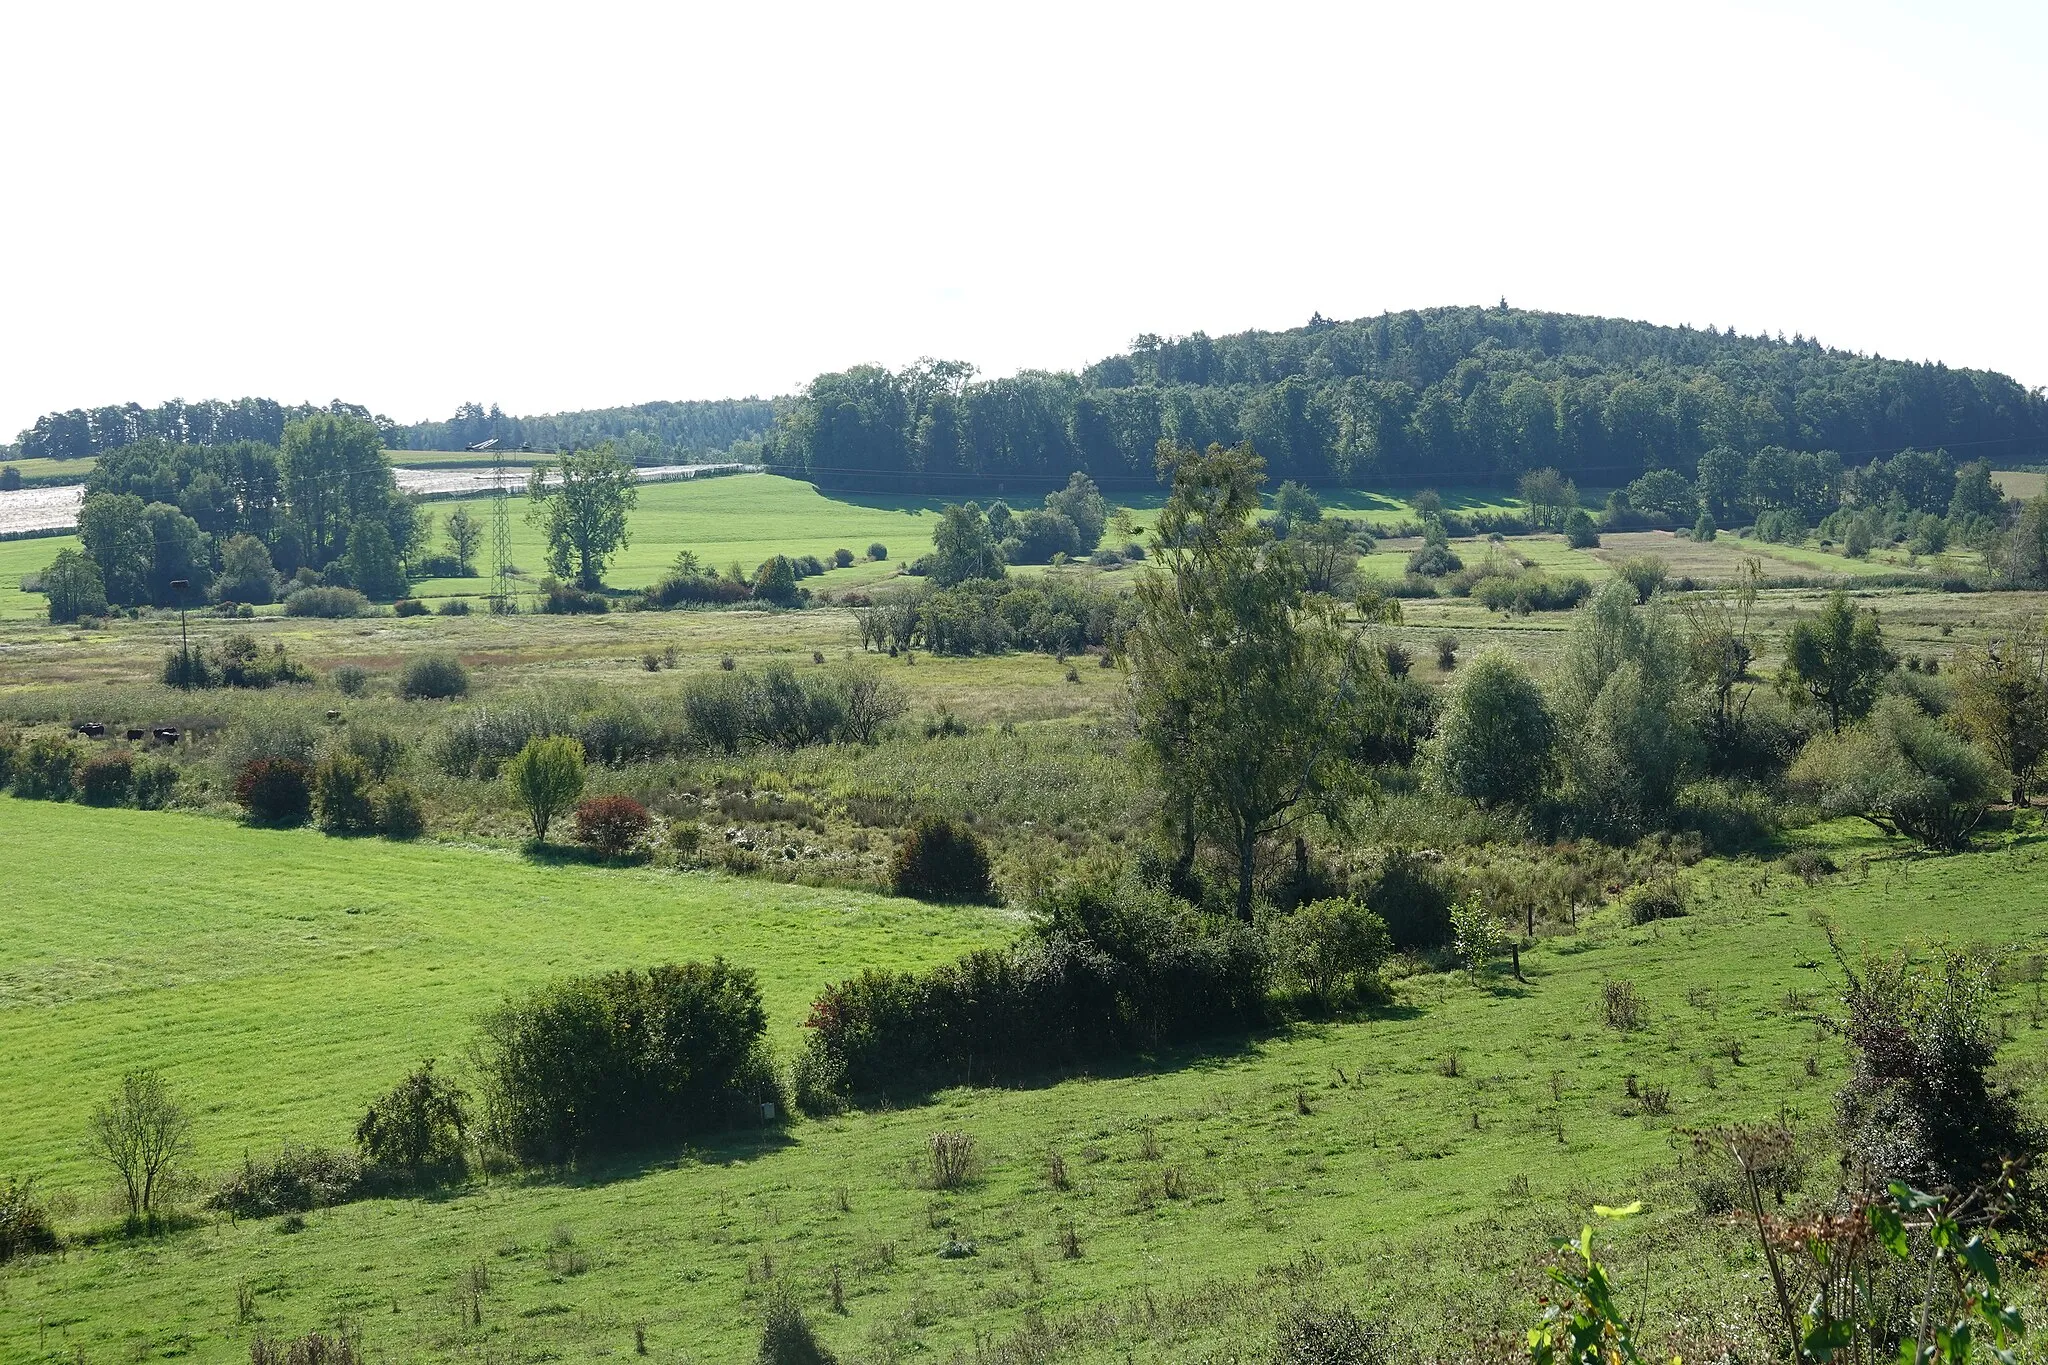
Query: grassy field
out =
(2022, 484)
(71, 471)
(1348, 1160)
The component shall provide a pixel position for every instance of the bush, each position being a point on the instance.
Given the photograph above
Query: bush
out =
(786, 1335)
(341, 794)
(613, 1062)
(780, 706)
(841, 558)
(546, 777)
(409, 606)
(400, 812)
(1580, 532)
(1782, 526)
(45, 769)
(1446, 651)
(1704, 529)
(107, 779)
(419, 1129)
(156, 784)
(1331, 948)
(1921, 1105)
(239, 661)
(612, 824)
(878, 551)
(334, 603)
(940, 859)
(453, 606)
(563, 599)
(1111, 967)
(1313, 1335)
(275, 791)
(24, 1222)
(1644, 902)
(1434, 561)
(296, 1180)
(692, 588)
(1904, 772)
(433, 677)
(1644, 573)
(1409, 891)
(350, 680)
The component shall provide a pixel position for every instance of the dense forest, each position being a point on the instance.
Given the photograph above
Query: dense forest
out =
(1447, 395)
(1437, 396)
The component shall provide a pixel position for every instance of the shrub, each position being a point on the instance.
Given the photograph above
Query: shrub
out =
(107, 779)
(334, 603)
(679, 589)
(563, 599)
(1904, 772)
(842, 558)
(345, 1347)
(1312, 1335)
(1476, 935)
(1331, 947)
(1644, 573)
(1704, 529)
(350, 680)
(381, 751)
(433, 677)
(1920, 1104)
(341, 794)
(24, 1222)
(1410, 893)
(612, 824)
(400, 812)
(546, 778)
(951, 1161)
(878, 551)
(786, 1335)
(1446, 651)
(275, 791)
(1622, 1006)
(454, 606)
(1663, 898)
(1493, 743)
(45, 769)
(296, 1180)
(605, 1063)
(940, 859)
(1111, 967)
(409, 606)
(239, 661)
(417, 1130)
(1434, 561)
(1580, 532)
(156, 784)
(187, 670)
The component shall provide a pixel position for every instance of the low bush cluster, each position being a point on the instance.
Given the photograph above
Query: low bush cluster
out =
(940, 859)
(296, 1180)
(612, 825)
(419, 1131)
(613, 1062)
(24, 1221)
(334, 603)
(433, 677)
(237, 661)
(779, 706)
(1112, 967)
(991, 616)
(566, 599)
(275, 791)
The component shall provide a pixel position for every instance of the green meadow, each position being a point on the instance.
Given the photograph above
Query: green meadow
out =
(1411, 1162)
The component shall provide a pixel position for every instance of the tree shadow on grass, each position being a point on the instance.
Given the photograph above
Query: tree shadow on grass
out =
(732, 1147)
(575, 855)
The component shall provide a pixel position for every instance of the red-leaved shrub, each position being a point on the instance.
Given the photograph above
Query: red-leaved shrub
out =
(611, 824)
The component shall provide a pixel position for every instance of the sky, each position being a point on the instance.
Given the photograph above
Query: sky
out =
(563, 206)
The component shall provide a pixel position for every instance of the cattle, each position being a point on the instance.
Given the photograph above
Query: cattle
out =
(165, 734)
(91, 729)
(134, 735)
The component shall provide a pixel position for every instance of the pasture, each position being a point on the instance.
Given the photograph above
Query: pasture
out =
(1410, 1162)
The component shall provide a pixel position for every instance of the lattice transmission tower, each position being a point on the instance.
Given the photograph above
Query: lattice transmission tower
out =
(501, 538)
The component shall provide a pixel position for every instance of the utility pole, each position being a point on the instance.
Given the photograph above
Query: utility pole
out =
(181, 586)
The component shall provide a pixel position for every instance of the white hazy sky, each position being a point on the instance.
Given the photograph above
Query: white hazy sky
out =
(575, 205)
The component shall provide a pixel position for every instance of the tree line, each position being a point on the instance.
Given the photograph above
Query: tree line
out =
(83, 432)
(645, 433)
(1447, 395)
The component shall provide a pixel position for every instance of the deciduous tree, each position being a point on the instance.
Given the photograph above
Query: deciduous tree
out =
(581, 506)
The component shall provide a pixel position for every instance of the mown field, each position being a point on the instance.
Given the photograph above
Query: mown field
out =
(280, 978)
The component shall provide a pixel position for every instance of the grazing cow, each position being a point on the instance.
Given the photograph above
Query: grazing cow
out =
(91, 729)
(165, 734)
(134, 735)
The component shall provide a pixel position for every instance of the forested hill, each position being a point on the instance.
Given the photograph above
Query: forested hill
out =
(1444, 396)
(1439, 396)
